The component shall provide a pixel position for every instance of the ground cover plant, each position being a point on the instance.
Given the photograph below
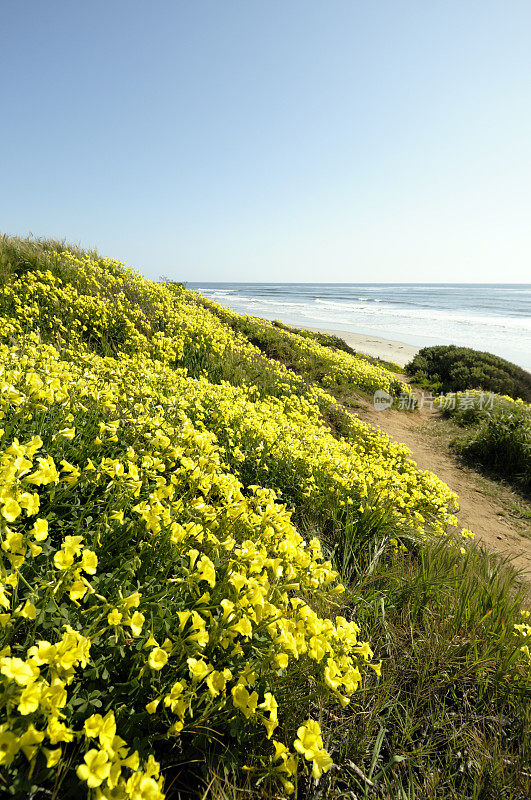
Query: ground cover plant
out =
(320, 358)
(497, 434)
(193, 564)
(448, 368)
(337, 343)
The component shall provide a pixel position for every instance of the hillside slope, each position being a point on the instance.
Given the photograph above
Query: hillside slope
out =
(171, 501)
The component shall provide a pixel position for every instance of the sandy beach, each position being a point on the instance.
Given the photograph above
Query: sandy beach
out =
(389, 350)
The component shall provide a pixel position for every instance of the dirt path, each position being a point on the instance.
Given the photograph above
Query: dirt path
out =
(482, 514)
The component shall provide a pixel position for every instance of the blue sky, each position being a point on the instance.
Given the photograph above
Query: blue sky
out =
(287, 140)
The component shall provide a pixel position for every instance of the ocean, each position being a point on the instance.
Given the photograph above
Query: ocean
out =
(491, 317)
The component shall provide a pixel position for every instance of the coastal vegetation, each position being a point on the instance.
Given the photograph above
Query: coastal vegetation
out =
(216, 582)
(317, 357)
(448, 368)
(496, 434)
(336, 342)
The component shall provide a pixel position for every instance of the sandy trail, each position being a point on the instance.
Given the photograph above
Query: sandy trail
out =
(478, 512)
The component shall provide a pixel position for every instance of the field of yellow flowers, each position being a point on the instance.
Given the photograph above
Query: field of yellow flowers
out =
(162, 591)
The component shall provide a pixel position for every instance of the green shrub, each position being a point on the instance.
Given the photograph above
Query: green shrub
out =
(498, 434)
(449, 368)
(470, 408)
(502, 445)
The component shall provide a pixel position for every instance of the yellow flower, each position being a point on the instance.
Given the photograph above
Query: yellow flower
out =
(58, 732)
(157, 658)
(9, 746)
(133, 601)
(35, 549)
(244, 627)
(78, 589)
(174, 700)
(243, 700)
(29, 699)
(11, 510)
(4, 598)
(364, 650)
(281, 751)
(46, 473)
(107, 731)
(271, 705)
(377, 668)
(63, 559)
(217, 680)
(29, 611)
(95, 769)
(115, 617)
(206, 571)
(152, 707)
(288, 765)
(18, 670)
(29, 502)
(42, 652)
(151, 641)
(72, 544)
(92, 725)
(282, 660)
(136, 623)
(56, 695)
(199, 669)
(309, 739)
(30, 740)
(14, 542)
(52, 756)
(321, 763)
(67, 433)
(89, 562)
(140, 787)
(132, 761)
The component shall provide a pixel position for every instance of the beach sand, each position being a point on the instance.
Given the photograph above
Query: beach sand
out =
(374, 346)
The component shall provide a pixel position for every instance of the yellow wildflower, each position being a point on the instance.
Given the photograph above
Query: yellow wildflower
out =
(157, 658)
(11, 510)
(136, 623)
(115, 617)
(40, 530)
(95, 769)
(18, 670)
(89, 562)
(244, 701)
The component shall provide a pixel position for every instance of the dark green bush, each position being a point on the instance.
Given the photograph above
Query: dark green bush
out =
(449, 368)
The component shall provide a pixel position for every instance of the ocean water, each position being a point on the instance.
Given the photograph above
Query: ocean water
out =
(491, 317)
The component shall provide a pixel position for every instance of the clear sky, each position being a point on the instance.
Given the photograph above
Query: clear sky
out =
(278, 140)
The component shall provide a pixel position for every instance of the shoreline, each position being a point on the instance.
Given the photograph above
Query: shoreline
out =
(375, 346)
